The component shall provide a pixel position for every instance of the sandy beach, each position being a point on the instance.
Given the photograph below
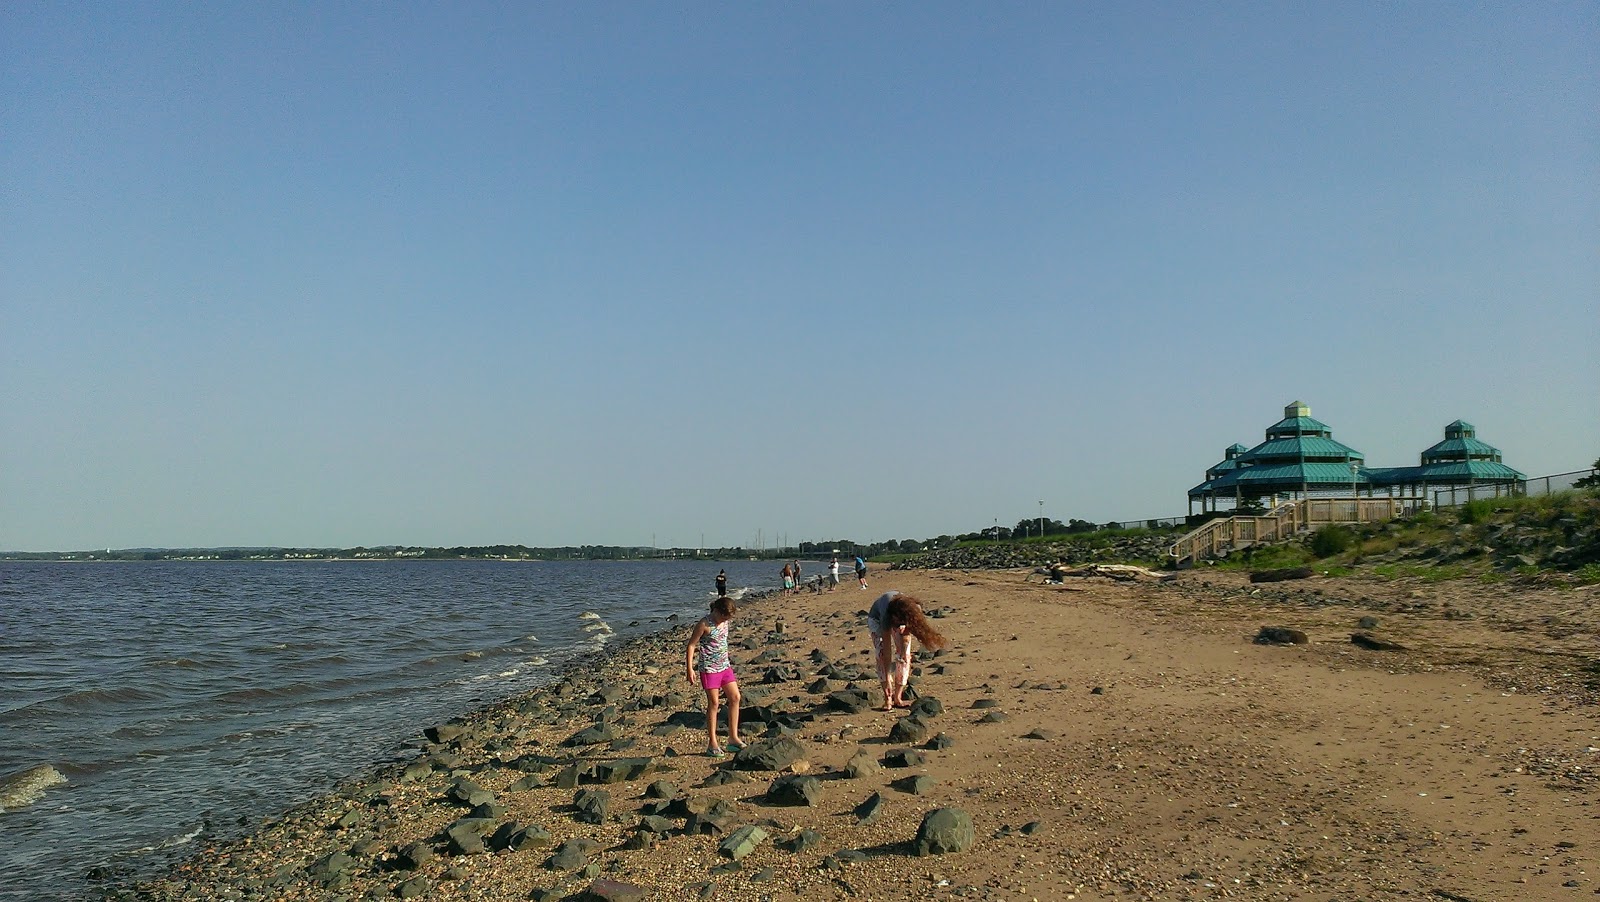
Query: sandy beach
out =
(1108, 739)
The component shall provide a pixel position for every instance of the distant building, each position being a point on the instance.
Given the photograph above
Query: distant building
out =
(1300, 458)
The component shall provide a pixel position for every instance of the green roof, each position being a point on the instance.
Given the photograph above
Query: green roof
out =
(1310, 447)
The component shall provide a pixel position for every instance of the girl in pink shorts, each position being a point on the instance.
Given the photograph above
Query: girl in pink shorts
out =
(709, 644)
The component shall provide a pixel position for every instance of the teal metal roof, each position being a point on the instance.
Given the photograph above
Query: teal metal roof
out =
(1461, 449)
(1264, 478)
(1311, 447)
(1298, 426)
(1448, 473)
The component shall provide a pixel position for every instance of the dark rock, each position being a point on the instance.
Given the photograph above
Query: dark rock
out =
(612, 891)
(1040, 734)
(908, 729)
(944, 830)
(621, 769)
(468, 794)
(332, 869)
(795, 789)
(774, 754)
(465, 836)
(413, 857)
(916, 785)
(927, 708)
(861, 764)
(939, 743)
(742, 842)
(1373, 643)
(593, 805)
(817, 686)
(868, 811)
(411, 889)
(800, 842)
(1280, 635)
(1279, 575)
(514, 837)
(601, 732)
(986, 703)
(904, 758)
(531, 781)
(444, 734)
(993, 717)
(570, 855)
(849, 701)
(1368, 623)
(661, 789)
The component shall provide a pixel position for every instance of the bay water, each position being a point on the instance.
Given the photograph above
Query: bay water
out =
(185, 702)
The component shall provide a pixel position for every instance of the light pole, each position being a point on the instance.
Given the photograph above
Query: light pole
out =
(1355, 501)
(1041, 519)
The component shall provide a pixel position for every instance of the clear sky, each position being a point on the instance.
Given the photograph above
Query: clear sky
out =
(330, 274)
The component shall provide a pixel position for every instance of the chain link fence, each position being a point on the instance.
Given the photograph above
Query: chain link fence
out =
(1539, 485)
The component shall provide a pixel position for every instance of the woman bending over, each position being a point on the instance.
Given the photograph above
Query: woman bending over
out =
(893, 619)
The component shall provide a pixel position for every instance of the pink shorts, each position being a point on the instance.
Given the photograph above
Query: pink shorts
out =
(718, 679)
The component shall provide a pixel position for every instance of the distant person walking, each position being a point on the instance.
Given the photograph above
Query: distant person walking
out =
(833, 574)
(892, 620)
(722, 583)
(861, 571)
(707, 655)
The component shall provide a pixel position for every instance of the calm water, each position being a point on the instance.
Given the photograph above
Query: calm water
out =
(181, 698)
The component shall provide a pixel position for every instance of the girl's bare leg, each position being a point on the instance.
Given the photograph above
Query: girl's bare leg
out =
(713, 704)
(733, 712)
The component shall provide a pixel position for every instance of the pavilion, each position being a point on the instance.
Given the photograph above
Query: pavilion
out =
(1300, 458)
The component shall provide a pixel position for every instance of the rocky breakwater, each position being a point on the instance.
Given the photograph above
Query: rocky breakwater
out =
(1146, 548)
(598, 787)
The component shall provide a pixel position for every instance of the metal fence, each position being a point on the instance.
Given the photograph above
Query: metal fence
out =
(1539, 485)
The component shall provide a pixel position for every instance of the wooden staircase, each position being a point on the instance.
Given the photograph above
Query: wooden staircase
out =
(1278, 525)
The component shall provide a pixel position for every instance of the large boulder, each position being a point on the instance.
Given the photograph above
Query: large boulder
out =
(944, 830)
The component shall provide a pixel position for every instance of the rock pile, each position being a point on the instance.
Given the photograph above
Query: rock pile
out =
(1148, 548)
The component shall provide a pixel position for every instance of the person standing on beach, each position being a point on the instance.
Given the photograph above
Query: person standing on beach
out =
(861, 571)
(707, 655)
(788, 580)
(892, 620)
(797, 583)
(833, 574)
(722, 583)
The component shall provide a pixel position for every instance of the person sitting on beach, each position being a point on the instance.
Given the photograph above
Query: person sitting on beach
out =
(892, 620)
(707, 654)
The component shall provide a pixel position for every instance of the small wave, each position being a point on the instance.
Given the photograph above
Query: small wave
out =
(597, 626)
(531, 637)
(536, 661)
(89, 698)
(588, 615)
(172, 842)
(23, 789)
(175, 662)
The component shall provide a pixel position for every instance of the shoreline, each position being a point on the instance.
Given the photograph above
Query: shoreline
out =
(1144, 748)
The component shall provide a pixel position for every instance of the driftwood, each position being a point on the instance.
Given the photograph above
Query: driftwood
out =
(1273, 576)
(1124, 572)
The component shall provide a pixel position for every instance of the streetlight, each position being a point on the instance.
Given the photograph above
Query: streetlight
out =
(1355, 500)
(1041, 519)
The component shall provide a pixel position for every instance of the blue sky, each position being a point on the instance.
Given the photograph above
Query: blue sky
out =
(339, 274)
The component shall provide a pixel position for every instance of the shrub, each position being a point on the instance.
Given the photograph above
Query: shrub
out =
(1476, 511)
(1331, 540)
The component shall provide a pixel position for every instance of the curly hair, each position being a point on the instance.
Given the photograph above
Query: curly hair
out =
(906, 610)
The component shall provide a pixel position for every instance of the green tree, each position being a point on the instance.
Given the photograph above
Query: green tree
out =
(1592, 481)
